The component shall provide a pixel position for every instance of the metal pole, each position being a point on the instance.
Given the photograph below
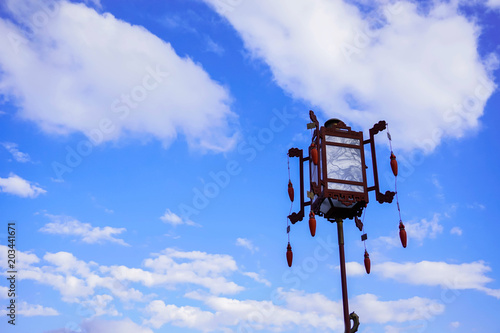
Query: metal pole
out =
(347, 321)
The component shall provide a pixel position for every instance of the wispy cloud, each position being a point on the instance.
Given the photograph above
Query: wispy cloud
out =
(476, 205)
(246, 243)
(65, 225)
(495, 4)
(16, 154)
(30, 310)
(417, 232)
(257, 278)
(447, 276)
(213, 46)
(175, 220)
(16, 185)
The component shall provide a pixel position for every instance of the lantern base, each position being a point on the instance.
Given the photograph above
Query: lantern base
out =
(332, 209)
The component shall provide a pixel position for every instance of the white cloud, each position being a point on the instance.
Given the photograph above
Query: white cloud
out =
(476, 205)
(175, 220)
(447, 276)
(353, 268)
(18, 186)
(184, 316)
(30, 310)
(371, 309)
(171, 268)
(455, 324)
(16, 154)
(416, 232)
(96, 3)
(65, 225)
(77, 280)
(257, 278)
(246, 243)
(456, 231)
(100, 305)
(92, 73)
(213, 46)
(424, 229)
(105, 326)
(419, 71)
(296, 309)
(3, 292)
(495, 4)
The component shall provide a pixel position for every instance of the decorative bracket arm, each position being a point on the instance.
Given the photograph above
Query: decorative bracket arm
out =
(295, 152)
(388, 195)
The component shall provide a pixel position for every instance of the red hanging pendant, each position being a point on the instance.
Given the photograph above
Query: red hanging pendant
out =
(289, 255)
(394, 164)
(312, 224)
(402, 234)
(314, 154)
(367, 262)
(290, 191)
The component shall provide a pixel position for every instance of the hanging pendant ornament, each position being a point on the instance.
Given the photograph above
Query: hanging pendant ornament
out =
(290, 191)
(394, 164)
(402, 234)
(289, 255)
(314, 154)
(367, 262)
(312, 224)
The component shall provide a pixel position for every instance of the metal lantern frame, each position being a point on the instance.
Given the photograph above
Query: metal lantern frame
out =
(352, 202)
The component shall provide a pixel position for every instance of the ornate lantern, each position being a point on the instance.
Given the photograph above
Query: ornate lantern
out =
(338, 185)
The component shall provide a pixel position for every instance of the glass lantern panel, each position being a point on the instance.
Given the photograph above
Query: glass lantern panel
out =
(344, 164)
(345, 187)
(314, 172)
(338, 139)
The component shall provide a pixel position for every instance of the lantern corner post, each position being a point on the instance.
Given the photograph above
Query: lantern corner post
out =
(299, 216)
(388, 196)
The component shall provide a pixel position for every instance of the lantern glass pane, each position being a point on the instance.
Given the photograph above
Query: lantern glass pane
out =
(339, 139)
(344, 164)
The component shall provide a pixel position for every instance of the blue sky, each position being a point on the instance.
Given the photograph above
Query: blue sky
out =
(143, 149)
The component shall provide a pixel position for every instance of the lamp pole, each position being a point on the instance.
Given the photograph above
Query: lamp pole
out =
(343, 276)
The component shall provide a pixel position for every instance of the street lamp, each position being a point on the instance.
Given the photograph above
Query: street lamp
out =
(338, 185)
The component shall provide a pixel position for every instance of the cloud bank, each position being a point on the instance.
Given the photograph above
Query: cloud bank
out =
(418, 70)
(71, 69)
